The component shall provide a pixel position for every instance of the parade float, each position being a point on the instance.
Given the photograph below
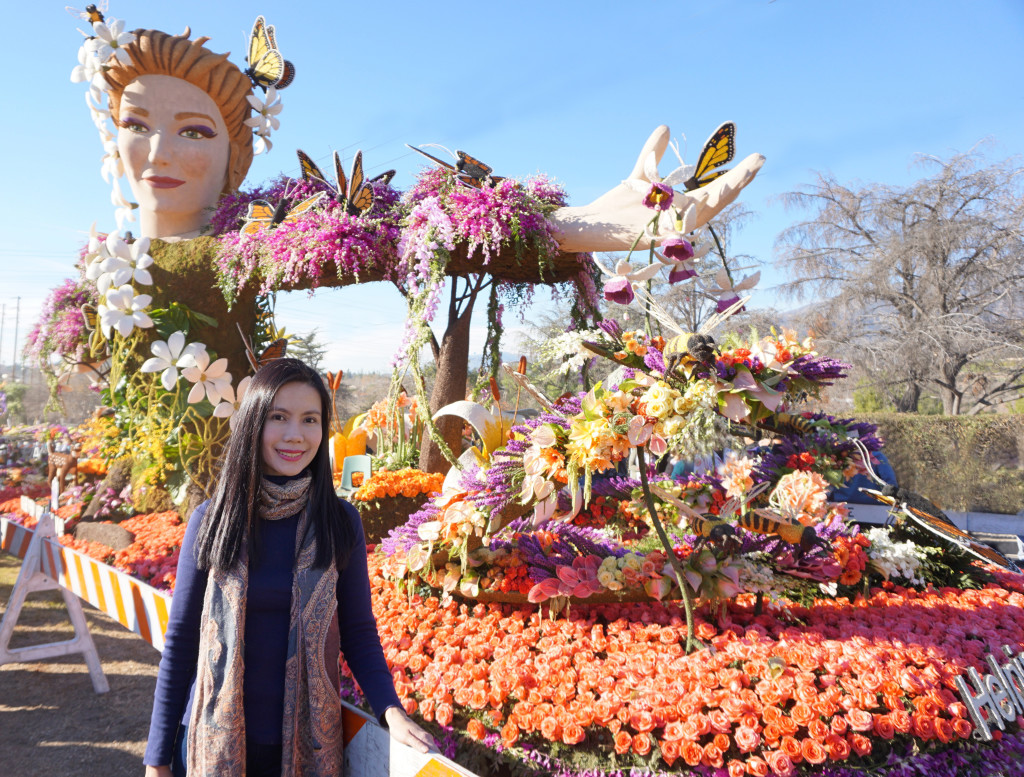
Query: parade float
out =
(545, 607)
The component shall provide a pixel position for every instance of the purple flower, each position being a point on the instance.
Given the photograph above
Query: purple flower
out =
(619, 290)
(681, 272)
(677, 249)
(659, 197)
(726, 302)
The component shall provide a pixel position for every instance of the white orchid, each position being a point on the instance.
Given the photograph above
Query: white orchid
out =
(124, 310)
(620, 288)
(111, 39)
(261, 145)
(100, 115)
(89, 70)
(231, 400)
(211, 380)
(169, 356)
(728, 293)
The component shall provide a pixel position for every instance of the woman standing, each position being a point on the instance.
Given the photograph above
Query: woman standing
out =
(272, 582)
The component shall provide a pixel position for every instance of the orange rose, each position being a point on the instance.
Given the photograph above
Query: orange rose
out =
(550, 729)
(923, 726)
(673, 731)
(837, 747)
(780, 763)
(963, 728)
(623, 742)
(883, 727)
(746, 739)
(642, 721)
(757, 766)
(509, 734)
(476, 729)
(802, 714)
(812, 751)
(444, 714)
(943, 730)
(900, 721)
(641, 744)
(669, 750)
(861, 744)
(712, 755)
(859, 720)
(573, 734)
(791, 747)
(736, 768)
(692, 753)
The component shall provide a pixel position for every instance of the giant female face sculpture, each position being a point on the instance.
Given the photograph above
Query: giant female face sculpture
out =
(180, 111)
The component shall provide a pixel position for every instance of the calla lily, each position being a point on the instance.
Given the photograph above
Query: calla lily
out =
(169, 356)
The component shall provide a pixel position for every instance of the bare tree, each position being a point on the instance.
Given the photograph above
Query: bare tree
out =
(922, 285)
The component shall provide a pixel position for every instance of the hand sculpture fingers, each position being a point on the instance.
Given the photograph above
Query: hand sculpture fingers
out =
(711, 199)
(657, 142)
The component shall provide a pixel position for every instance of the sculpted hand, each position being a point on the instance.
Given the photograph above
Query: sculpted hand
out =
(405, 731)
(613, 221)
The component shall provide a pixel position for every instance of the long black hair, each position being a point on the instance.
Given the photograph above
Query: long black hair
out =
(231, 515)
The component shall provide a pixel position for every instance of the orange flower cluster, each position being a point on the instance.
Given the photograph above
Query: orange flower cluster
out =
(769, 697)
(403, 482)
(851, 553)
(153, 557)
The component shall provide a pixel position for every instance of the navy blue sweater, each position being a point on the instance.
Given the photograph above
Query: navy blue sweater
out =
(268, 604)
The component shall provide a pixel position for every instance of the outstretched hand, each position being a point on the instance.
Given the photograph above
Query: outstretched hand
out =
(404, 730)
(613, 221)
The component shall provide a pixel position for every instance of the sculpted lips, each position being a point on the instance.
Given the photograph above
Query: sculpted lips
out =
(163, 182)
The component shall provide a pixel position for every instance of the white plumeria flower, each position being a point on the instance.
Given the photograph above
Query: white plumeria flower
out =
(111, 165)
(128, 262)
(169, 356)
(231, 400)
(124, 310)
(265, 119)
(123, 208)
(211, 380)
(88, 65)
(111, 39)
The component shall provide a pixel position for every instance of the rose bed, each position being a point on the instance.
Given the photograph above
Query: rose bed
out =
(839, 688)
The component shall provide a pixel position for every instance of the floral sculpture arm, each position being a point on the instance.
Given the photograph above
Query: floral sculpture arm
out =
(613, 221)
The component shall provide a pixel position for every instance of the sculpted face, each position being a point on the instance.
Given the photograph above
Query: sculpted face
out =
(174, 146)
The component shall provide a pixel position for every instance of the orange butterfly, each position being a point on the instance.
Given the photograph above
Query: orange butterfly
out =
(276, 350)
(467, 169)
(261, 214)
(929, 516)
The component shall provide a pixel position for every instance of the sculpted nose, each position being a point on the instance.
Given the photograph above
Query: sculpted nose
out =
(159, 151)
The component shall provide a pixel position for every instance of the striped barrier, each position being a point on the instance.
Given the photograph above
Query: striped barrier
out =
(371, 752)
(135, 605)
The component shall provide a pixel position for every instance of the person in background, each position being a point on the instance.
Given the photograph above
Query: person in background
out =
(850, 491)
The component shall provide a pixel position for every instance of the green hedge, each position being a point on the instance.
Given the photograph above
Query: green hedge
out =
(962, 463)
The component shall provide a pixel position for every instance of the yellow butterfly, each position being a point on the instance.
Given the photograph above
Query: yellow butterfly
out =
(266, 66)
(351, 189)
(718, 150)
(261, 214)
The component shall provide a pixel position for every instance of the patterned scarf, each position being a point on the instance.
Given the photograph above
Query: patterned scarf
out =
(312, 745)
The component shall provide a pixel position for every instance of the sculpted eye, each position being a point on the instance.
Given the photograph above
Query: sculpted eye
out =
(134, 125)
(197, 132)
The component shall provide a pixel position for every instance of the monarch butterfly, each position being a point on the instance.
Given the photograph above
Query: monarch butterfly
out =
(928, 515)
(89, 314)
(468, 170)
(262, 214)
(351, 190)
(276, 350)
(718, 150)
(266, 66)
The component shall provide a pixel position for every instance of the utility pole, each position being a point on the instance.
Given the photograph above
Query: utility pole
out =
(14, 363)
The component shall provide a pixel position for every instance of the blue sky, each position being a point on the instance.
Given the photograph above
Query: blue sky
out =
(570, 89)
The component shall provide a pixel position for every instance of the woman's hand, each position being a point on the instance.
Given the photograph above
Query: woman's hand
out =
(614, 220)
(158, 771)
(405, 731)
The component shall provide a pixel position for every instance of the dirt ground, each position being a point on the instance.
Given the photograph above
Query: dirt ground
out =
(51, 720)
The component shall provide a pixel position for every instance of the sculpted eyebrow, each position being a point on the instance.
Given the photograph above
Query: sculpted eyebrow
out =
(193, 114)
(129, 108)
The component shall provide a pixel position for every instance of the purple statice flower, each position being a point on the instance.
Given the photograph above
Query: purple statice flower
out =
(616, 486)
(654, 360)
(60, 329)
(403, 537)
(821, 370)
(611, 328)
(659, 196)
